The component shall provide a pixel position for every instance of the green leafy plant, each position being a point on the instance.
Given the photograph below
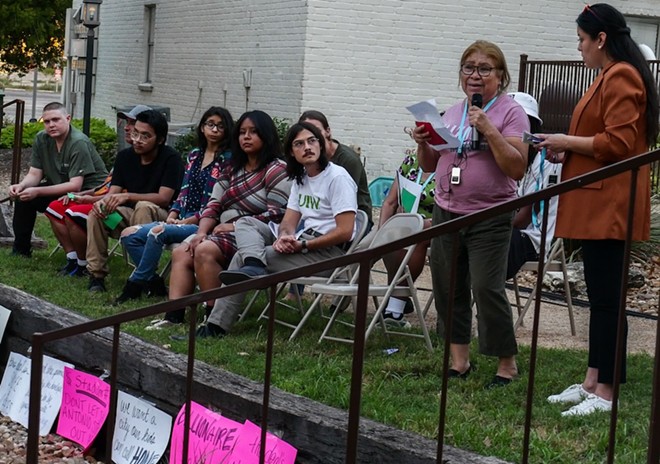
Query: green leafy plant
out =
(186, 142)
(282, 125)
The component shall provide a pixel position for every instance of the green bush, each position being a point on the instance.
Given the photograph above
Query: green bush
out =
(103, 136)
(282, 125)
(186, 142)
(30, 130)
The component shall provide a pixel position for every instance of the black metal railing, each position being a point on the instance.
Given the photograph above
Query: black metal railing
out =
(18, 137)
(364, 258)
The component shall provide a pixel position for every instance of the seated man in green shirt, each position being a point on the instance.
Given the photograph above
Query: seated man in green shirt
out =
(63, 160)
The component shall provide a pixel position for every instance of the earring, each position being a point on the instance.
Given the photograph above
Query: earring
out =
(600, 47)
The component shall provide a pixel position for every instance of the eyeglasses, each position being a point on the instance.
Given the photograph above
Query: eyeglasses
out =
(298, 144)
(483, 71)
(142, 137)
(210, 125)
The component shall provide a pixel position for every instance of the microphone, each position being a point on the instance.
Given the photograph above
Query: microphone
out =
(477, 100)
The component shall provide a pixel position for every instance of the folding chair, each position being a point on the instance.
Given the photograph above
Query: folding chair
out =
(340, 274)
(402, 285)
(556, 262)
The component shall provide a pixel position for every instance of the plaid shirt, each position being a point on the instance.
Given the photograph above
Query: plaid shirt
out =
(262, 194)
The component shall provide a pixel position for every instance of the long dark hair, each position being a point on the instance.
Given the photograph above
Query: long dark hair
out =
(294, 169)
(267, 132)
(227, 123)
(602, 17)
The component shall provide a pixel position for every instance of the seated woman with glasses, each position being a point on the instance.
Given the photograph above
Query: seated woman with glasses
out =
(481, 172)
(145, 243)
(323, 196)
(254, 185)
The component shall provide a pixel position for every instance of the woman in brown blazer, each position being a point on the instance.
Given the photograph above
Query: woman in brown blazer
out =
(616, 119)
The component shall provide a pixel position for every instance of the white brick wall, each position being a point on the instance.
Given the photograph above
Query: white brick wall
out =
(359, 61)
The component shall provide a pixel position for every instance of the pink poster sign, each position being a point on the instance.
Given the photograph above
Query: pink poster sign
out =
(247, 450)
(85, 406)
(212, 437)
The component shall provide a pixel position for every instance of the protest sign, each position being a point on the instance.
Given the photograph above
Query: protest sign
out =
(249, 444)
(141, 431)
(15, 390)
(85, 406)
(4, 318)
(212, 437)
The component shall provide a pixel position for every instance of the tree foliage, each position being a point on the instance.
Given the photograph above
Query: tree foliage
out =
(31, 33)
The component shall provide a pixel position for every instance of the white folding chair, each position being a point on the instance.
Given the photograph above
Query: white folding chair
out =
(340, 274)
(556, 262)
(402, 285)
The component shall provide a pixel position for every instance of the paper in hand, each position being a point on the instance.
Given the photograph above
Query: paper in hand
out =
(426, 114)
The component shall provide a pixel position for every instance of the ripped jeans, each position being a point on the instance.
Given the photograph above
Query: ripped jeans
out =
(146, 247)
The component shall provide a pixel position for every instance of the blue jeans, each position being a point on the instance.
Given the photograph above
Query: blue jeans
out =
(145, 247)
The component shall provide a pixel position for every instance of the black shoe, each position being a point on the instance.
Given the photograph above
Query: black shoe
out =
(71, 266)
(96, 284)
(498, 381)
(242, 274)
(156, 287)
(207, 330)
(454, 374)
(80, 271)
(132, 291)
(210, 330)
(23, 253)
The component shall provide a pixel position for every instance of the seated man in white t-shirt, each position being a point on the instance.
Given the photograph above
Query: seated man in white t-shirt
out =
(323, 195)
(528, 222)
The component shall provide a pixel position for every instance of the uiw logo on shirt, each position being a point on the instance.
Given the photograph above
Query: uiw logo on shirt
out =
(308, 201)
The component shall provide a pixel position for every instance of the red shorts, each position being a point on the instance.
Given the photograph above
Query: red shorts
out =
(76, 212)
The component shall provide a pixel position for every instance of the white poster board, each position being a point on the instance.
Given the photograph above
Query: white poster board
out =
(15, 390)
(142, 432)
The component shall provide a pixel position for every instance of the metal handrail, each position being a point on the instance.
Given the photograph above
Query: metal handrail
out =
(364, 258)
(18, 138)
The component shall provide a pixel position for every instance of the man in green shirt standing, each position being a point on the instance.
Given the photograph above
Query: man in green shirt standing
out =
(63, 160)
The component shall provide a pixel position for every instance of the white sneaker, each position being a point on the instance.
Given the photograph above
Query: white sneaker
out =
(589, 405)
(159, 324)
(573, 394)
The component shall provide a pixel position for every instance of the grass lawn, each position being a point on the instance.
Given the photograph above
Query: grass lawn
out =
(401, 389)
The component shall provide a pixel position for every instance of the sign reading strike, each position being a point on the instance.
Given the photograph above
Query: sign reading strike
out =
(85, 405)
(247, 450)
(141, 431)
(15, 390)
(212, 437)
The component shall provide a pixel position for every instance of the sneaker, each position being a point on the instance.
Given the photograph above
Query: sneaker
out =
(573, 394)
(80, 271)
(96, 284)
(160, 324)
(132, 291)
(397, 320)
(589, 405)
(242, 274)
(69, 268)
(156, 287)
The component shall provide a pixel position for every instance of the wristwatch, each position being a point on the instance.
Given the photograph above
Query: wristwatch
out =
(304, 249)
